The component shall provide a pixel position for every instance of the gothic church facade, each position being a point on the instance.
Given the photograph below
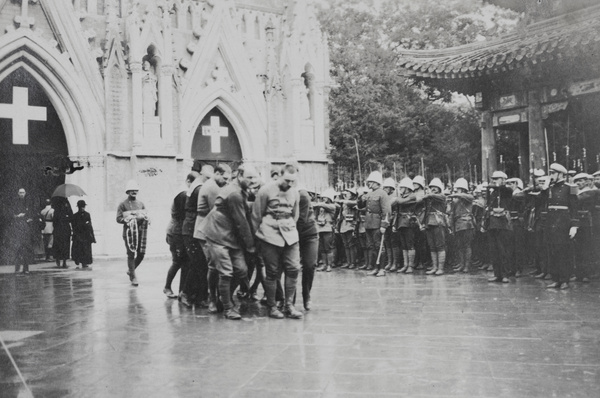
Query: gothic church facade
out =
(141, 89)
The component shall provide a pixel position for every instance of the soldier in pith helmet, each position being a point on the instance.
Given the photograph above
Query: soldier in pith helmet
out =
(462, 224)
(435, 225)
(377, 219)
(389, 186)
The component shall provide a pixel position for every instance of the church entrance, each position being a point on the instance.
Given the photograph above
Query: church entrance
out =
(33, 147)
(216, 141)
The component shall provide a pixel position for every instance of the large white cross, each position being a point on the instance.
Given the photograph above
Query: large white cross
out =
(21, 113)
(215, 131)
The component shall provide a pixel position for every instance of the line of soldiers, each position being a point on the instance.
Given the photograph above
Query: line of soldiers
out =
(389, 227)
(226, 226)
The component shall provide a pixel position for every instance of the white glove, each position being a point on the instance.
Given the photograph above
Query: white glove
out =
(572, 232)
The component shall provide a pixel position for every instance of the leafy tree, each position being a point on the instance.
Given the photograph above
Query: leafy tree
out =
(397, 124)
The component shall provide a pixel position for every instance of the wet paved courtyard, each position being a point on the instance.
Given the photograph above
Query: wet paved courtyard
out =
(90, 334)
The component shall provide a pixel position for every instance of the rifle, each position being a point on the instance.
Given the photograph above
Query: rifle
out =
(380, 249)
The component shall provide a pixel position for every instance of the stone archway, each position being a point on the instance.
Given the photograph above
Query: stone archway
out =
(216, 139)
(33, 153)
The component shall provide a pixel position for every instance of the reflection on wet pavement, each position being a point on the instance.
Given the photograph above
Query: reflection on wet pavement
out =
(90, 334)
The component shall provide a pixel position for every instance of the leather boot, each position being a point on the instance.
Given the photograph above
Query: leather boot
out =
(352, 261)
(390, 258)
(396, 253)
(370, 261)
(441, 261)
(348, 258)
(131, 266)
(411, 261)
(461, 262)
(366, 259)
(323, 258)
(434, 264)
(290, 290)
(405, 258)
(467, 260)
(225, 294)
(270, 287)
(213, 290)
(329, 258)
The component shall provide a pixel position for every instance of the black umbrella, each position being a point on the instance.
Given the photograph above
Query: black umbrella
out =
(66, 190)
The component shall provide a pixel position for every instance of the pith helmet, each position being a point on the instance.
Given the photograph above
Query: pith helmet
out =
(499, 174)
(375, 176)
(132, 185)
(558, 168)
(419, 180)
(436, 182)
(389, 183)
(351, 190)
(517, 181)
(461, 183)
(329, 193)
(406, 183)
(538, 173)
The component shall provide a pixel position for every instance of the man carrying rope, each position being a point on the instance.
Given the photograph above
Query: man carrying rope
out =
(132, 214)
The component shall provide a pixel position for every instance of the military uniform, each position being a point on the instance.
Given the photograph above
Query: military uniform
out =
(592, 200)
(536, 205)
(462, 226)
(405, 225)
(480, 242)
(347, 225)
(499, 227)
(561, 214)
(435, 224)
(377, 215)
(584, 239)
(518, 248)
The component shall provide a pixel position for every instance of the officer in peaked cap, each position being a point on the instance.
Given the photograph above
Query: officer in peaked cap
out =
(584, 240)
(562, 223)
(534, 223)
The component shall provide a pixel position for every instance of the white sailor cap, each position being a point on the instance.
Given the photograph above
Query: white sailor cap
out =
(558, 168)
(499, 174)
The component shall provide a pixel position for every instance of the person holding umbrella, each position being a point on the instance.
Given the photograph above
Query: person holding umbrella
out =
(63, 215)
(83, 236)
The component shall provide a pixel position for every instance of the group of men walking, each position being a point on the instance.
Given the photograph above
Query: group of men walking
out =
(225, 227)
(552, 224)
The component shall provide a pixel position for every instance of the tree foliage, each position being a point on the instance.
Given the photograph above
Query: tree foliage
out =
(397, 124)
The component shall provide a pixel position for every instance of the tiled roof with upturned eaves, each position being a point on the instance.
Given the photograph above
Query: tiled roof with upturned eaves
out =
(559, 37)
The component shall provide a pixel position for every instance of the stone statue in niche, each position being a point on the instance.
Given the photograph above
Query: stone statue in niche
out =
(149, 90)
(307, 96)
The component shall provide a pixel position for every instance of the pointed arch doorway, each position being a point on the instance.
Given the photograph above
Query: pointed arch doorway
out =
(33, 146)
(216, 141)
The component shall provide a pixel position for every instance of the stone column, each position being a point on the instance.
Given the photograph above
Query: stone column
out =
(136, 103)
(165, 102)
(295, 108)
(537, 140)
(524, 156)
(488, 146)
(92, 7)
